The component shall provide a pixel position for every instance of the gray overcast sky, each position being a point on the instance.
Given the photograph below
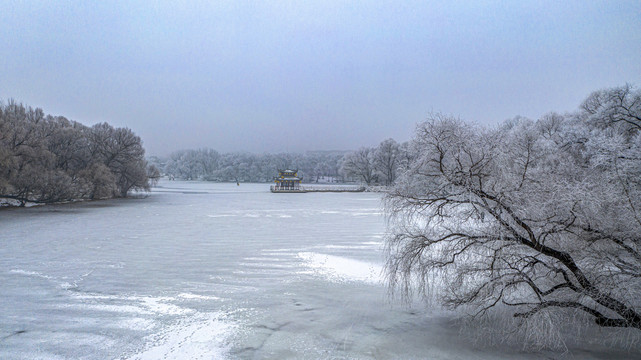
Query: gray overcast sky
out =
(271, 76)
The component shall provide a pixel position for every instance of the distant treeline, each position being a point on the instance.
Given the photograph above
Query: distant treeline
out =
(45, 159)
(375, 165)
(210, 165)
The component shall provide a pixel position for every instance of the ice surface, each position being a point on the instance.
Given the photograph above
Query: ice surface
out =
(204, 270)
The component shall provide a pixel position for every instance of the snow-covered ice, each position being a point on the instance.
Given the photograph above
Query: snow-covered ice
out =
(213, 271)
(338, 268)
(200, 337)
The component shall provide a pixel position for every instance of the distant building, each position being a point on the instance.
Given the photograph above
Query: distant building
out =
(287, 180)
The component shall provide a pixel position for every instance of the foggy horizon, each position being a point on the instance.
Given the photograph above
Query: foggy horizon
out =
(296, 77)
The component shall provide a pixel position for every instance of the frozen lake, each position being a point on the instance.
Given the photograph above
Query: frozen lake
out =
(212, 271)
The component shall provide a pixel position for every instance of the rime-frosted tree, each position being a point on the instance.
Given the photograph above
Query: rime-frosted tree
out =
(121, 151)
(360, 164)
(532, 217)
(387, 159)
